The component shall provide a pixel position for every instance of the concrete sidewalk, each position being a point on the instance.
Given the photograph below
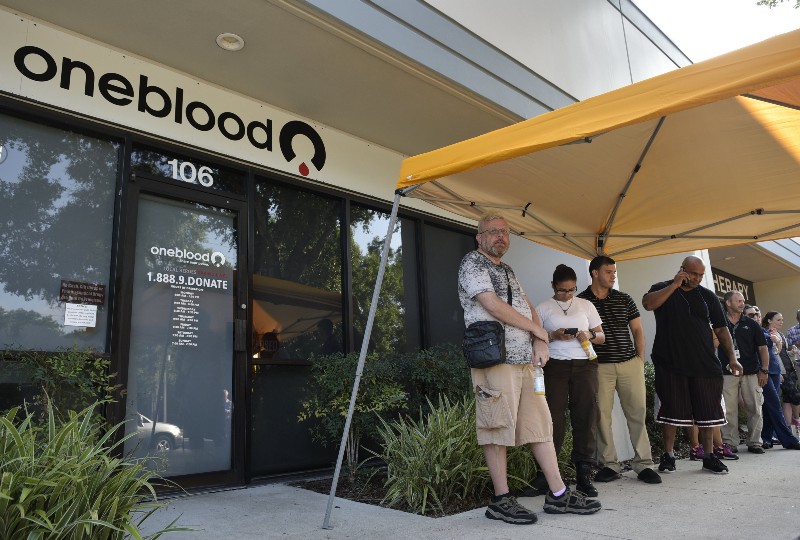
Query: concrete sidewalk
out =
(759, 498)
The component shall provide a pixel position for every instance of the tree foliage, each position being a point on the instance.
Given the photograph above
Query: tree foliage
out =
(774, 3)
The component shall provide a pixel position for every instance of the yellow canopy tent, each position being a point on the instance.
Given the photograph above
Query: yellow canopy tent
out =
(704, 156)
(700, 157)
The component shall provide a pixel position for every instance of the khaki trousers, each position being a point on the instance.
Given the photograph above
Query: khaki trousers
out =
(753, 399)
(627, 378)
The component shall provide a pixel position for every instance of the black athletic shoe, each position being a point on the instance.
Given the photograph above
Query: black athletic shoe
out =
(714, 465)
(570, 502)
(755, 449)
(795, 446)
(583, 479)
(538, 486)
(607, 474)
(649, 476)
(667, 463)
(506, 508)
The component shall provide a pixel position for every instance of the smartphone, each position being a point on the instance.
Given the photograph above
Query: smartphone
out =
(684, 282)
(571, 331)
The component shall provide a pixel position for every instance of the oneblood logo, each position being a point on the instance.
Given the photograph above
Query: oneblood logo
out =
(38, 65)
(216, 258)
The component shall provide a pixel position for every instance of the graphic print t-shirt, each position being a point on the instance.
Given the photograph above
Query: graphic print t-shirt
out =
(478, 274)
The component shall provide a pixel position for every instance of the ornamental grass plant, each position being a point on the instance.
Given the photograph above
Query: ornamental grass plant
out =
(62, 481)
(434, 460)
(435, 463)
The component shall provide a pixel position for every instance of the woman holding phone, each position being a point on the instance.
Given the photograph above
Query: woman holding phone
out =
(570, 376)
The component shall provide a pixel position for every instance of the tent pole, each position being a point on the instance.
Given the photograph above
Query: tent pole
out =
(362, 356)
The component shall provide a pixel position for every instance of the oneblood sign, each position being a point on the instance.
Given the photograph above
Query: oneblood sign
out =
(148, 98)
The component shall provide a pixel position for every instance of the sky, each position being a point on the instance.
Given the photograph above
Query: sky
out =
(703, 29)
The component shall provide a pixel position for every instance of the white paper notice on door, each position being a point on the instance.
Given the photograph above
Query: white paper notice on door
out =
(80, 315)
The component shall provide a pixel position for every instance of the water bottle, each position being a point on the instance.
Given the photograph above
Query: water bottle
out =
(587, 347)
(538, 380)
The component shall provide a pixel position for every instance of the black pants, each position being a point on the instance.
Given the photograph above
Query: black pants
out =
(572, 384)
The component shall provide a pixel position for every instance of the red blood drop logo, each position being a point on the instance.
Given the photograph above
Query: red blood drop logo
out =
(303, 169)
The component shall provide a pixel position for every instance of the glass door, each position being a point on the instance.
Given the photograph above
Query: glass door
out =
(183, 319)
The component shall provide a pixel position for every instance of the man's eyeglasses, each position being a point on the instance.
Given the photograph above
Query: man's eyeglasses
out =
(495, 232)
(573, 289)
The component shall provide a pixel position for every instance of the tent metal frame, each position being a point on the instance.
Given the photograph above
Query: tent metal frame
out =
(326, 524)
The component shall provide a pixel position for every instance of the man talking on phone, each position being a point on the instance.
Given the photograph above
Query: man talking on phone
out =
(688, 373)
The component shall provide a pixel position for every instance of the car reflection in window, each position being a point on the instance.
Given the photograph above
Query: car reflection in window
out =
(163, 439)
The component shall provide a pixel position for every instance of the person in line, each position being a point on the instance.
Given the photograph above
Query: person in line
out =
(774, 421)
(790, 395)
(621, 369)
(793, 334)
(688, 373)
(484, 283)
(750, 348)
(571, 376)
(792, 412)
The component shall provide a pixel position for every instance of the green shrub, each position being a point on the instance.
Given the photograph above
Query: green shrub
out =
(64, 483)
(70, 379)
(434, 460)
(330, 388)
(431, 373)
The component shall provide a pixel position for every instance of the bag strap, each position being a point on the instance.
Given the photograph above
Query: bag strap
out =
(508, 280)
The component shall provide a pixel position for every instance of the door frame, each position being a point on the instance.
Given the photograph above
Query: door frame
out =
(138, 185)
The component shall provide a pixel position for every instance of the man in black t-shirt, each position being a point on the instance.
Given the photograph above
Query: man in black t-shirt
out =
(688, 372)
(620, 370)
(750, 347)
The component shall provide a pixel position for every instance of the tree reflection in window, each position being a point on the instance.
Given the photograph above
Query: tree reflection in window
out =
(298, 272)
(394, 327)
(56, 211)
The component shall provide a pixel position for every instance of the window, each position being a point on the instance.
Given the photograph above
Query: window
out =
(396, 326)
(56, 221)
(444, 250)
(297, 281)
(187, 170)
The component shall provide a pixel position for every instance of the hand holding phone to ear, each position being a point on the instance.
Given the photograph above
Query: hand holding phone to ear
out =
(681, 278)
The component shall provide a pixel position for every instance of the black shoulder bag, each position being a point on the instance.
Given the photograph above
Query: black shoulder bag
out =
(485, 341)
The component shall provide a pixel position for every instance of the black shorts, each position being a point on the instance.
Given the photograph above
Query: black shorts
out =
(685, 401)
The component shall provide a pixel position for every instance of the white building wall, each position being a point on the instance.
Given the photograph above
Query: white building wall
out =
(780, 295)
(580, 46)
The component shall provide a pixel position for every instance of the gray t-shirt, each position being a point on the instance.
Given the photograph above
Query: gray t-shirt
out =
(478, 274)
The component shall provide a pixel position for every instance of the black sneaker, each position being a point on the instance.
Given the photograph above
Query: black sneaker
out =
(667, 463)
(607, 474)
(714, 465)
(538, 486)
(755, 449)
(570, 502)
(506, 508)
(649, 476)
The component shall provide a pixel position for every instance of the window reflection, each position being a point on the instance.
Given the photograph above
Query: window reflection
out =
(297, 307)
(396, 324)
(180, 361)
(190, 170)
(56, 210)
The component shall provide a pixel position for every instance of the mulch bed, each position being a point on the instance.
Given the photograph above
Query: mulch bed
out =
(371, 491)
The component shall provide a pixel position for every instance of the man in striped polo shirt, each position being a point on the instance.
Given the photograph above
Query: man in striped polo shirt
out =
(621, 368)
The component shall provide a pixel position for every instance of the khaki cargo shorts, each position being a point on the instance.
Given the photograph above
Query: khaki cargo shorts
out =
(507, 411)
